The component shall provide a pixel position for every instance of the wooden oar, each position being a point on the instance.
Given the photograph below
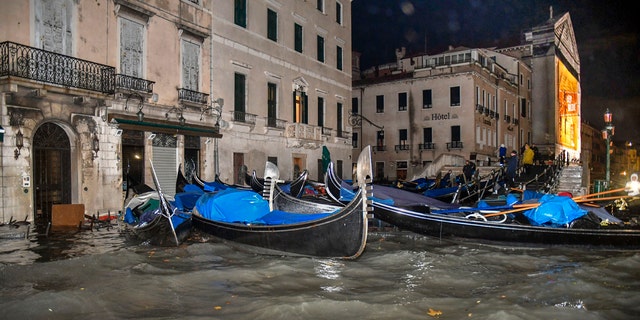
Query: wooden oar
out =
(521, 208)
(598, 193)
(600, 199)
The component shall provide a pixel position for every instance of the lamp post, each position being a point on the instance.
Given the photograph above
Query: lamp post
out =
(607, 133)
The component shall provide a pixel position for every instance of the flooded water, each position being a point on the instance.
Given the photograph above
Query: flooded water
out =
(100, 275)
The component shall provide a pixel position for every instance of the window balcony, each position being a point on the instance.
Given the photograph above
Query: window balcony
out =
(454, 145)
(379, 148)
(192, 97)
(243, 117)
(21, 61)
(275, 123)
(326, 131)
(303, 131)
(129, 83)
(427, 146)
(402, 147)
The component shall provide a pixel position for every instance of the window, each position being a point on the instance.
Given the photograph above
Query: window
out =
(427, 99)
(320, 5)
(239, 97)
(190, 65)
(455, 96)
(338, 12)
(380, 104)
(339, 119)
(320, 112)
(402, 133)
(455, 133)
(523, 108)
(380, 140)
(320, 49)
(240, 13)
(272, 25)
(272, 91)
(402, 101)
(354, 105)
(131, 48)
(427, 139)
(297, 30)
(354, 139)
(339, 57)
(300, 110)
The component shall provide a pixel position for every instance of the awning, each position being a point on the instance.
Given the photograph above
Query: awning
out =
(162, 126)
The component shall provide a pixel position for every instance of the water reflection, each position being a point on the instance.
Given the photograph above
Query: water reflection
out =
(98, 274)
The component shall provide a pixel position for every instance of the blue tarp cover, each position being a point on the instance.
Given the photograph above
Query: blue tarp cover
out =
(247, 207)
(554, 211)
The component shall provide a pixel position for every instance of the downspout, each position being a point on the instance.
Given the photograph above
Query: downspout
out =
(216, 157)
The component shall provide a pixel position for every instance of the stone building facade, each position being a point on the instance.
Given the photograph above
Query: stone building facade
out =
(93, 92)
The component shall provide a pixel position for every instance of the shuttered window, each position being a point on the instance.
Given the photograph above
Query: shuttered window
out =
(190, 65)
(131, 47)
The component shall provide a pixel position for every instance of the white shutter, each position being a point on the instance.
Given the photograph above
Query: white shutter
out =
(131, 47)
(165, 163)
(190, 65)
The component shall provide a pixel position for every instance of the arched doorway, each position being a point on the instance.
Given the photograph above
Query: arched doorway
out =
(51, 170)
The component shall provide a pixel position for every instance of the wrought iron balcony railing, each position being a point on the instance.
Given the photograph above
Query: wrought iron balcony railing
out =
(379, 148)
(241, 116)
(132, 83)
(275, 123)
(49, 67)
(190, 96)
(427, 146)
(454, 145)
(402, 147)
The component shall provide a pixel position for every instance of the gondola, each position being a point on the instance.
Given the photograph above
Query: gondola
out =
(525, 219)
(283, 224)
(155, 218)
(294, 187)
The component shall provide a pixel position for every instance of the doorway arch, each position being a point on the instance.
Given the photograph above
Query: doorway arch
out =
(51, 170)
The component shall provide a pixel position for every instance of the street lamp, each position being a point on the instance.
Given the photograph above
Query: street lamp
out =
(606, 134)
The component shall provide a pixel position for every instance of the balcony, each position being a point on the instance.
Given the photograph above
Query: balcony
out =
(326, 131)
(379, 148)
(275, 123)
(129, 83)
(507, 118)
(454, 145)
(402, 147)
(303, 131)
(21, 61)
(241, 116)
(192, 97)
(427, 146)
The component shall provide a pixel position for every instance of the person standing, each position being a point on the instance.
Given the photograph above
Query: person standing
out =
(527, 158)
(468, 170)
(512, 167)
(502, 154)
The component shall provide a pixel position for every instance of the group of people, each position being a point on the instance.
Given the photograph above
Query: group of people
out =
(529, 156)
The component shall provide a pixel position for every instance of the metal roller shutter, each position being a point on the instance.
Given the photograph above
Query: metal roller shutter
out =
(165, 163)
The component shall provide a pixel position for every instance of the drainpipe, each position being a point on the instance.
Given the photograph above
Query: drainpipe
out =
(216, 157)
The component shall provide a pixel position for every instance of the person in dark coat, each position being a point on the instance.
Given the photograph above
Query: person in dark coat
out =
(512, 167)
(468, 170)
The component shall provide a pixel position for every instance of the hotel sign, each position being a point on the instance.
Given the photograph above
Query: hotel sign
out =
(441, 116)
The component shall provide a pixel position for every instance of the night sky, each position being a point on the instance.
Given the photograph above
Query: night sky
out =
(606, 35)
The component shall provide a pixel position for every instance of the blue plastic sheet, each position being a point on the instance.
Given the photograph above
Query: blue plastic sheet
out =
(554, 211)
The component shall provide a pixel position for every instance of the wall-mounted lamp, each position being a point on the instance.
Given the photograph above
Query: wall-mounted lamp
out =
(19, 144)
(151, 136)
(178, 112)
(95, 145)
(1, 134)
(215, 111)
(140, 105)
